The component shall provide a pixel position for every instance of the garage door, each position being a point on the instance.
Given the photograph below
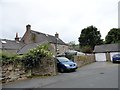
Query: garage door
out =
(100, 57)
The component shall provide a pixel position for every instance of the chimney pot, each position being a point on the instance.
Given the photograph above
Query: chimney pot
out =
(28, 27)
(57, 35)
(17, 38)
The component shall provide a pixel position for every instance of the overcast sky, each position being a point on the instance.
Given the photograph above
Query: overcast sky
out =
(67, 17)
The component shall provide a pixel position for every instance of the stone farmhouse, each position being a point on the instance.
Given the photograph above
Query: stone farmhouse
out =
(32, 39)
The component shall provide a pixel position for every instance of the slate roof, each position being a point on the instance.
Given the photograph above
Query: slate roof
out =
(24, 48)
(27, 47)
(10, 44)
(41, 38)
(107, 48)
(48, 37)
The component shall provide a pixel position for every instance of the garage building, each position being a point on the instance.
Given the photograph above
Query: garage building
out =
(106, 52)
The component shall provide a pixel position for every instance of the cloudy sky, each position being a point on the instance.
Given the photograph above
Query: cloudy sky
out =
(67, 17)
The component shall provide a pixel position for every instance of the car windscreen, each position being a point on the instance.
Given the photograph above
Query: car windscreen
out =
(63, 59)
(117, 55)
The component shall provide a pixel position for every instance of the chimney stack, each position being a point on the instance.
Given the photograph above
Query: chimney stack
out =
(28, 27)
(57, 35)
(17, 38)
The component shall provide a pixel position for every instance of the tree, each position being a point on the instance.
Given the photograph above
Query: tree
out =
(113, 36)
(86, 49)
(90, 36)
(73, 45)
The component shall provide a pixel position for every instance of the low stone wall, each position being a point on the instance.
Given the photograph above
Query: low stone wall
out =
(46, 68)
(83, 60)
(12, 72)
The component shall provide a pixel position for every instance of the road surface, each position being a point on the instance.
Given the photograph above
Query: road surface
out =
(95, 75)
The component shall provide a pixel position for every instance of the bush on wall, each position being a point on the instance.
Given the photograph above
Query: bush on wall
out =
(33, 58)
(30, 60)
(7, 58)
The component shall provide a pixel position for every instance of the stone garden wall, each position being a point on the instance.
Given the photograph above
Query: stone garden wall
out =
(12, 72)
(84, 59)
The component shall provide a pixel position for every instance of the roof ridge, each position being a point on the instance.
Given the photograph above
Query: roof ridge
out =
(108, 44)
(42, 33)
(107, 47)
(50, 38)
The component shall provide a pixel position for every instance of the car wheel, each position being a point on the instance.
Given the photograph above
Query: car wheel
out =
(74, 70)
(61, 70)
(113, 61)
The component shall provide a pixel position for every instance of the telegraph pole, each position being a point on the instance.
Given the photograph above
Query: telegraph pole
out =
(56, 42)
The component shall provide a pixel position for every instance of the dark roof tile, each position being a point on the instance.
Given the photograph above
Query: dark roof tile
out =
(107, 48)
(48, 37)
(27, 47)
(10, 44)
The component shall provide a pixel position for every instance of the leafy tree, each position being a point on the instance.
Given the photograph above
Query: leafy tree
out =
(90, 36)
(113, 36)
(73, 45)
(86, 49)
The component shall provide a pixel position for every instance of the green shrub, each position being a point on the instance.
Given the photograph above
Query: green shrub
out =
(30, 60)
(33, 58)
(70, 56)
(7, 58)
(87, 49)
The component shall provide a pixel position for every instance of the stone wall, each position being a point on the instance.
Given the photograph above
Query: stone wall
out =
(46, 68)
(12, 72)
(61, 48)
(84, 59)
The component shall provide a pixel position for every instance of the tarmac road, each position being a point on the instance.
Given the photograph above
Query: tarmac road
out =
(95, 75)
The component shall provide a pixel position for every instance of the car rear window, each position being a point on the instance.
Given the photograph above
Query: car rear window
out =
(116, 55)
(63, 59)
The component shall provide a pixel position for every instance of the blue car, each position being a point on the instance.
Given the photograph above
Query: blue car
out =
(64, 64)
(116, 58)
